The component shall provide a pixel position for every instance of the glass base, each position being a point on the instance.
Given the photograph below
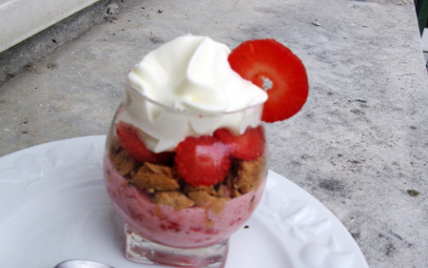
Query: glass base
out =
(141, 250)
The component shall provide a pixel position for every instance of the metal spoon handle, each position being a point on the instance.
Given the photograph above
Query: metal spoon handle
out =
(81, 264)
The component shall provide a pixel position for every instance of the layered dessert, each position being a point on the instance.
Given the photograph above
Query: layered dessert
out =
(186, 157)
(155, 200)
(186, 162)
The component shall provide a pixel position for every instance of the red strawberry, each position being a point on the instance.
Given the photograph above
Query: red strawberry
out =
(249, 145)
(202, 161)
(135, 147)
(258, 60)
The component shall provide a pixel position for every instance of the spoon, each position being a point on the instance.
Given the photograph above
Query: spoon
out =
(81, 264)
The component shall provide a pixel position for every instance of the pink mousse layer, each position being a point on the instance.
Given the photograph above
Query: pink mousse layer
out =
(187, 228)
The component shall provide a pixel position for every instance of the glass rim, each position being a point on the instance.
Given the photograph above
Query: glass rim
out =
(172, 109)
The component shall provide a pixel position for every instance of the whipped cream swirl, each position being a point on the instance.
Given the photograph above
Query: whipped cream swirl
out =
(190, 74)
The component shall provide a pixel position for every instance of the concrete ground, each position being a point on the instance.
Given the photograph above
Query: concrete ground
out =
(359, 145)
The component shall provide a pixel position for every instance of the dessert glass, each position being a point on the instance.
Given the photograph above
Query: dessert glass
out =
(166, 220)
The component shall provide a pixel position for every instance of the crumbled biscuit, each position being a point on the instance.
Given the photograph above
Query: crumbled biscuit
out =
(114, 147)
(214, 190)
(204, 199)
(248, 175)
(200, 198)
(201, 188)
(175, 199)
(222, 191)
(123, 163)
(153, 178)
(229, 183)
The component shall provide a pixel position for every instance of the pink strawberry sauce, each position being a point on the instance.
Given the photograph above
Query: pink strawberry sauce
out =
(187, 228)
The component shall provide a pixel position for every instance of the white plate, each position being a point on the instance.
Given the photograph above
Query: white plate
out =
(53, 207)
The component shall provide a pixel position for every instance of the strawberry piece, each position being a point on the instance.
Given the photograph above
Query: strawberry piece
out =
(202, 161)
(135, 147)
(247, 146)
(267, 59)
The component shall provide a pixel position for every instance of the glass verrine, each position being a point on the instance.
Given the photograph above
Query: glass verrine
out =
(170, 216)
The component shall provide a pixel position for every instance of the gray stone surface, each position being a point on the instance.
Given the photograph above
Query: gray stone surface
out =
(359, 145)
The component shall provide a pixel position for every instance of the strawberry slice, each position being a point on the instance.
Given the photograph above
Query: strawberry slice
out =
(135, 147)
(247, 146)
(202, 160)
(271, 66)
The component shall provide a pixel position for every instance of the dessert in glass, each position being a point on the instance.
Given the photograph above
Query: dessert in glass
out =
(186, 155)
